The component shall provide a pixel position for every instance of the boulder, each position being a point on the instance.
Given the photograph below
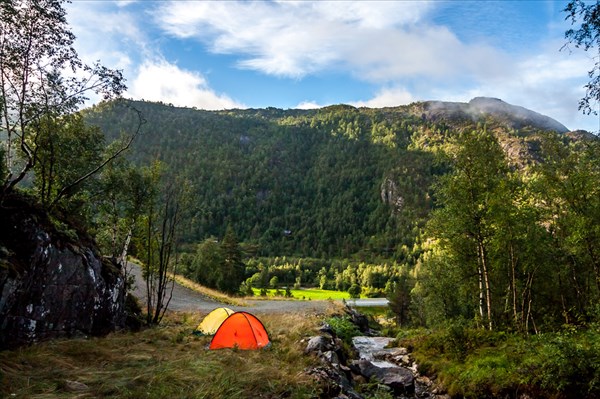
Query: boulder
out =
(53, 283)
(400, 379)
(334, 383)
(358, 319)
(319, 344)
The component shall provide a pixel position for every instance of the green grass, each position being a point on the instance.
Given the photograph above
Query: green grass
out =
(306, 294)
(474, 363)
(164, 362)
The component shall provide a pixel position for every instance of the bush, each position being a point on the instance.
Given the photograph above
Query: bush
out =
(354, 291)
(567, 364)
(344, 328)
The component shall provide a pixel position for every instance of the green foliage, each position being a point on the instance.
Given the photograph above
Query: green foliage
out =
(354, 291)
(568, 363)
(341, 196)
(302, 183)
(474, 363)
(584, 16)
(513, 250)
(37, 42)
(344, 328)
(219, 265)
(68, 149)
(231, 269)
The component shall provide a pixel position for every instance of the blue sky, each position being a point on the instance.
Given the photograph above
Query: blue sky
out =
(304, 54)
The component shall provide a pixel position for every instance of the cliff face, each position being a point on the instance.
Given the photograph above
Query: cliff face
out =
(51, 283)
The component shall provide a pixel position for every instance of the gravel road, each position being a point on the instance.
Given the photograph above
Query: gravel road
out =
(187, 300)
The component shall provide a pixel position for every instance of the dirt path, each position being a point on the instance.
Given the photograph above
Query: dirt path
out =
(185, 299)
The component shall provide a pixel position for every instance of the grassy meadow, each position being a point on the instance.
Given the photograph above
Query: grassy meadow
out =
(164, 362)
(306, 294)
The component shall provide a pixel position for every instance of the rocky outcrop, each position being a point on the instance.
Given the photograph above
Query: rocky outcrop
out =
(52, 283)
(340, 375)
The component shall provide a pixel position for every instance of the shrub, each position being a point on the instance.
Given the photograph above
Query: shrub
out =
(344, 328)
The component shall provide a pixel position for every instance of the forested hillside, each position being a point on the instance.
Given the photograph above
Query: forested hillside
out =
(334, 182)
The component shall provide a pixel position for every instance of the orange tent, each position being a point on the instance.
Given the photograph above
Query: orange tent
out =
(240, 330)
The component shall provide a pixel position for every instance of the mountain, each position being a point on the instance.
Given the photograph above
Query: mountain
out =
(511, 116)
(333, 182)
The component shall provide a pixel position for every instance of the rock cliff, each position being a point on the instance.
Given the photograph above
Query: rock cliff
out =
(53, 283)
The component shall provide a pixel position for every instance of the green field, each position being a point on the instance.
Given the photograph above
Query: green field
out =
(306, 294)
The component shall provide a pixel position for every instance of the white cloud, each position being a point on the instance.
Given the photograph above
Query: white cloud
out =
(387, 97)
(308, 105)
(162, 81)
(549, 82)
(125, 3)
(376, 41)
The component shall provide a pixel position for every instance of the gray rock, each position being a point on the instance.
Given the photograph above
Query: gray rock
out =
(331, 357)
(326, 329)
(319, 344)
(334, 383)
(400, 379)
(54, 286)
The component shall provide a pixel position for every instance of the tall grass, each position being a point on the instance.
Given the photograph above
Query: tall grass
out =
(161, 362)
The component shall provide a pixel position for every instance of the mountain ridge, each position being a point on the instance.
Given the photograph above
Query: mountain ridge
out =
(513, 116)
(344, 181)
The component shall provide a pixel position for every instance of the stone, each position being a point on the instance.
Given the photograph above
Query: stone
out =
(331, 357)
(319, 344)
(358, 319)
(400, 379)
(334, 383)
(326, 329)
(75, 386)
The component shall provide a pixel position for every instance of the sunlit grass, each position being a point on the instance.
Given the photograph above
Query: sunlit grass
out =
(161, 362)
(209, 292)
(305, 294)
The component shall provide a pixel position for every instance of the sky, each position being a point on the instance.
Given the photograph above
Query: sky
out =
(308, 54)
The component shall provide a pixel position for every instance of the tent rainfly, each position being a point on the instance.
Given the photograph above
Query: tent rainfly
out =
(213, 320)
(241, 330)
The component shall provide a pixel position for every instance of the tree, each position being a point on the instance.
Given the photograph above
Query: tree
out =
(586, 36)
(42, 79)
(159, 240)
(470, 196)
(231, 273)
(399, 300)
(354, 290)
(207, 261)
(122, 194)
(65, 152)
(568, 186)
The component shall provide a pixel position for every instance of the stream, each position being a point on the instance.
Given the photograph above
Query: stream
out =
(374, 349)
(368, 346)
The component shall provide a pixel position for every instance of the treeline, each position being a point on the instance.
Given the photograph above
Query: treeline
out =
(366, 279)
(513, 247)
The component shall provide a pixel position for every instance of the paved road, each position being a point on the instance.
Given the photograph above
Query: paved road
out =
(356, 303)
(185, 299)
